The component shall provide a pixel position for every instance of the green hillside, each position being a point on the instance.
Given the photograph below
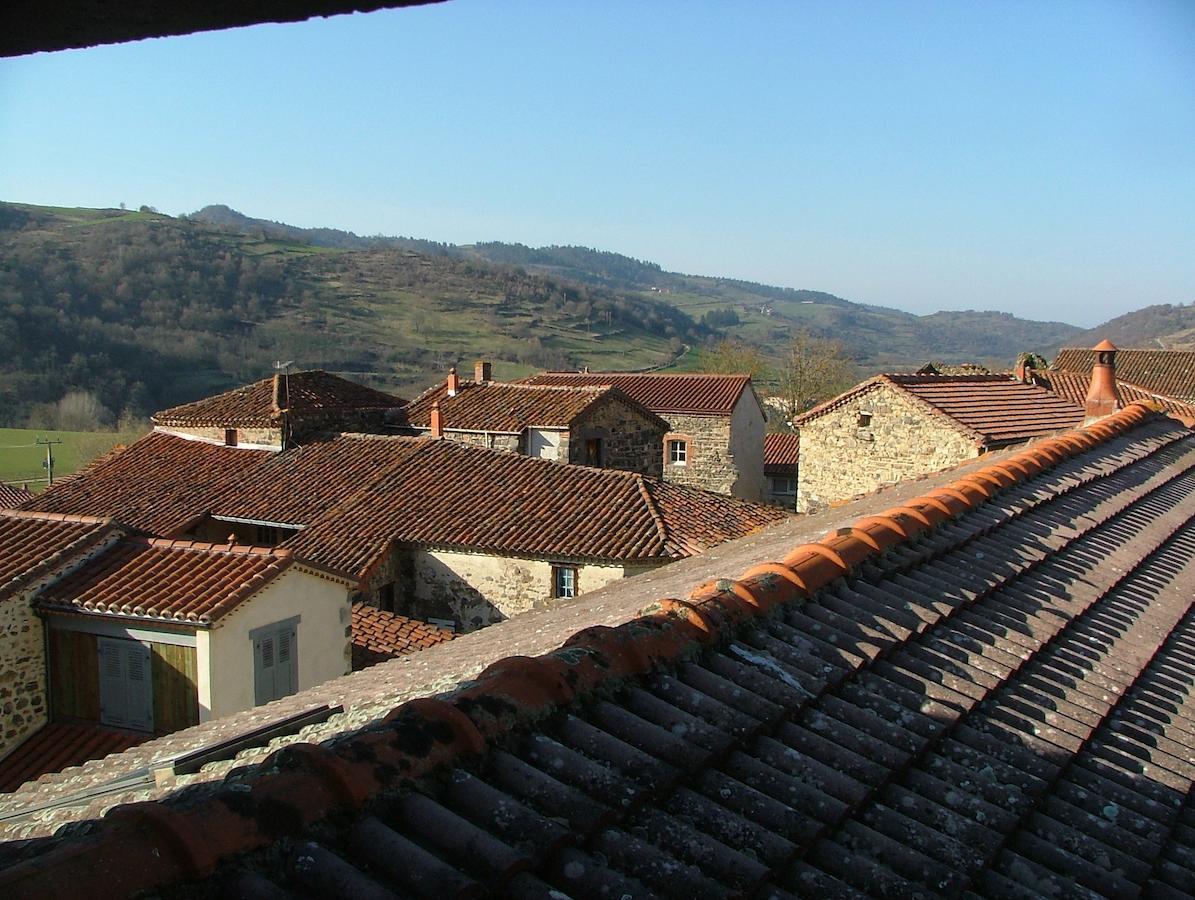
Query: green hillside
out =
(146, 310)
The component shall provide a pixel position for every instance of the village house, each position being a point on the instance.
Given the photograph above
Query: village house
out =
(432, 529)
(781, 454)
(894, 427)
(105, 627)
(715, 425)
(283, 411)
(596, 425)
(975, 684)
(12, 496)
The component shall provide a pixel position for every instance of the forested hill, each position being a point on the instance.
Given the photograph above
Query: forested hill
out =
(1164, 326)
(148, 310)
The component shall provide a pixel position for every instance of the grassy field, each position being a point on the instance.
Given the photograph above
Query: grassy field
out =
(21, 459)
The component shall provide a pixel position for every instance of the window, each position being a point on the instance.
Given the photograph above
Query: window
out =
(267, 536)
(230, 437)
(593, 452)
(386, 597)
(784, 486)
(564, 581)
(126, 687)
(275, 660)
(864, 420)
(678, 453)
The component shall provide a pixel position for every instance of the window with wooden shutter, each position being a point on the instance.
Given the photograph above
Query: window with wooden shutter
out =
(126, 687)
(275, 661)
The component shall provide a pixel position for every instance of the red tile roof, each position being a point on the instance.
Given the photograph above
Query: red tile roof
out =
(1073, 387)
(994, 410)
(37, 544)
(253, 406)
(781, 453)
(510, 408)
(191, 582)
(701, 395)
(160, 484)
(987, 691)
(11, 495)
(445, 494)
(1170, 373)
(379, 635)
(59, 745)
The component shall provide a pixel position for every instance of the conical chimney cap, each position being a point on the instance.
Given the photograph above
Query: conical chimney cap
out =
(1104, 346)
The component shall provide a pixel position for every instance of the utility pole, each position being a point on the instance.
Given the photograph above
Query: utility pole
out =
(49, 463)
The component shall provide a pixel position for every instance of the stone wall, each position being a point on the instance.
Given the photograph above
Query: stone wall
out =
(269, 438)
(708, 464)
(22, 672)
(492, 440)
(475, 589)
(631, 441)
(844, 453)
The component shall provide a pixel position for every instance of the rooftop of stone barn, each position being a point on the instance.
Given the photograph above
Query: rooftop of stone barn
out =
(979, 682)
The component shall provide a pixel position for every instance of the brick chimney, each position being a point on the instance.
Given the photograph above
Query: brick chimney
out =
(437, 421)
(454, 383)
(482, 373)
(1102, 398)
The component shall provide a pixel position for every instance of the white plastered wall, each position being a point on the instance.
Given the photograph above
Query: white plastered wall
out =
(224, 654)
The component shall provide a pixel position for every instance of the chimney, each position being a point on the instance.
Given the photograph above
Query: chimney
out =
(281, 400)
(454, 383)
(437, 421)
(1023, 369)
(1102, 399)
(481, 372)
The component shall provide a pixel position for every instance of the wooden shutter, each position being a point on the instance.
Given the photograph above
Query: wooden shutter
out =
(126, 686)
(275, 664)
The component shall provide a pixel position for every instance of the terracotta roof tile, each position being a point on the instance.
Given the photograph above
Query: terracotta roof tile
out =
(11, 495)
(986, 691)
(379, 635)
(994, 410)
(703, 395)
(448, 494)
(191, 582)
(1170, 373)
(510, 408)
(60, 745)
(37, 544)
(159, 484)
(781, 453)
(1073, 387)
(253, 406)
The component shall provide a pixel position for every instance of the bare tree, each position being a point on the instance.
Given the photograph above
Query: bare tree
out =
(812, 370)
(730, 357)
(81, 411)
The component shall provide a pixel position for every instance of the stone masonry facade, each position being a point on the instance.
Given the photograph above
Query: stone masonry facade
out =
(630, 440)
(22, 672)
(879, 437)
(723, 454)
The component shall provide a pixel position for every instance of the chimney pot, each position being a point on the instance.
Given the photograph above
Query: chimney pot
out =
(437, 421)
(482, 373)
(1102, 398)
(454, 383)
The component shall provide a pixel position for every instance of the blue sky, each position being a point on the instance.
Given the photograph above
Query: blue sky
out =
(1035, 158)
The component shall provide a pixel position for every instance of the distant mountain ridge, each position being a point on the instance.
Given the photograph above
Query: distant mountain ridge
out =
(1164, 326)
(148, 310)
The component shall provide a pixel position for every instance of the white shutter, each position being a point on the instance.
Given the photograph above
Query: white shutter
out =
(126, 684)
(275, 663)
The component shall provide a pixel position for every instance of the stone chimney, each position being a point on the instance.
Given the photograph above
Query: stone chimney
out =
(482, 373)
(1102, 398)
(1024, 368)
(281, 400)
(437, 421)
(454, 383)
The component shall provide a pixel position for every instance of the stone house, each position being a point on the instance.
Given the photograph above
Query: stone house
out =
(781, 456)
(431, 529)
(715, 425)
(894, 427)
(596, 425)
(282, 411)
(107, 628)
